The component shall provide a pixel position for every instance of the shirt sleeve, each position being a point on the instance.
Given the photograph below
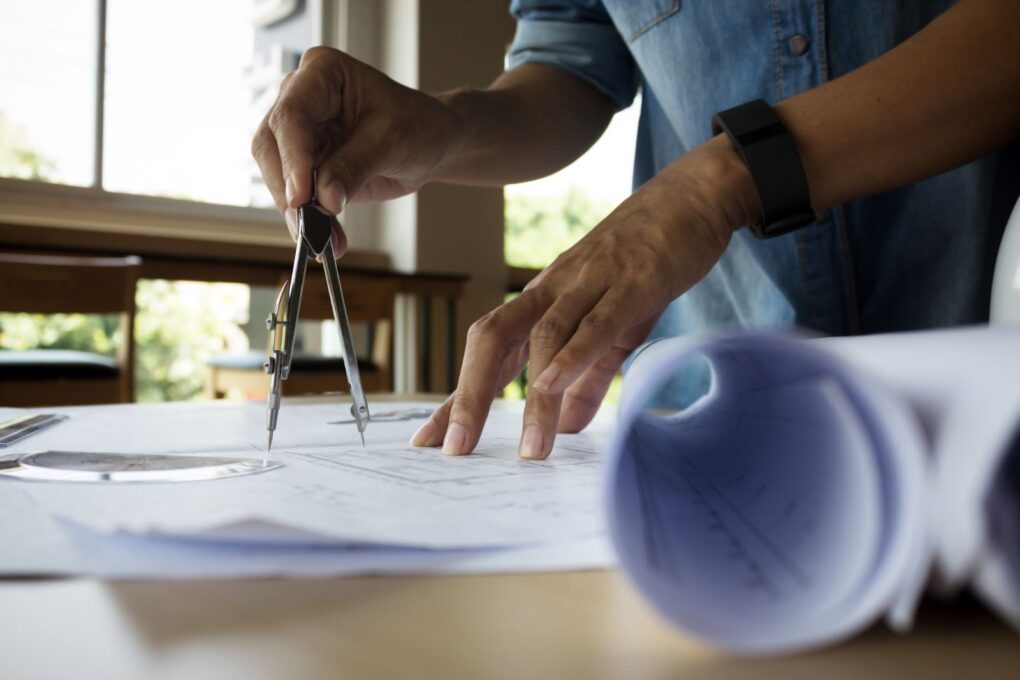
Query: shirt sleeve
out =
(579, 37)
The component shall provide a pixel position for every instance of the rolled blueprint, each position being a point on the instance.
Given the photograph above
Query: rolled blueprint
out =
(815, 486)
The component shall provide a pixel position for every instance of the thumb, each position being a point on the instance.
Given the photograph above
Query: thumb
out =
(343, 173)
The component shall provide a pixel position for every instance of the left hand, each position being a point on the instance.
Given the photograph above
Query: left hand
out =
(584, 314)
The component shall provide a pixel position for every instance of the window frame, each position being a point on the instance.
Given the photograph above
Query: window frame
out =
(32, 201)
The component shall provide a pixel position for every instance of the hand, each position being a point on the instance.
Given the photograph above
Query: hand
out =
(582, 316)
(370, 138)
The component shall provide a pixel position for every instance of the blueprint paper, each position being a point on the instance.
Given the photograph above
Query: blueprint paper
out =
(965, 387)
(810, 492)
(333, 508)
(37, 544)
(800, 515)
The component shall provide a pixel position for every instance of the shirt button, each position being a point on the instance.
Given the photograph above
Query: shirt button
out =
(798, 45)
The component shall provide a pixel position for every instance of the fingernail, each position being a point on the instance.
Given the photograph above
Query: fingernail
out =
(456, 440)
(548, 377)
(289, 191)
(290, 217)
(423, 437)
(339, 195)
(531, 443)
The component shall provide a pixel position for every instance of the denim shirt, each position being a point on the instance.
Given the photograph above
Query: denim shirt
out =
(917, 257)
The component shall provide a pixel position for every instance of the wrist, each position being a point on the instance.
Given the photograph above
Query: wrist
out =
(716, 176)
(730, 187)
(456, 129)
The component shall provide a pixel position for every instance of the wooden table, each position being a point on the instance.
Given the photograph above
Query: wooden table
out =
(589, 625)
(570, 625)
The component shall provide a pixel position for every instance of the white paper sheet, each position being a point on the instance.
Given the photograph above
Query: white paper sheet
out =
(35, 544)
(389, 506)
(965, 386)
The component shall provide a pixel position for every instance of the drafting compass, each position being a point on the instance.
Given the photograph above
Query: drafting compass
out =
(313, 240)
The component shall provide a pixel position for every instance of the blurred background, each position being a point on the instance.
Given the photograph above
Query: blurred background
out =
(125, 128)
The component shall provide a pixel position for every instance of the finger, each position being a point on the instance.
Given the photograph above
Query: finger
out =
(490, 341)
(583, 399)
(432, 432)
(595, 335)
(295, 138)
(307, 98)
(267, 157)
(379, 188)
(553, 330)
(339, 238)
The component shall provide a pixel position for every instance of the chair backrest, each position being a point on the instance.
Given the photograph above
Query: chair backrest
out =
(51, 284)
(45, 284)
(369, 299)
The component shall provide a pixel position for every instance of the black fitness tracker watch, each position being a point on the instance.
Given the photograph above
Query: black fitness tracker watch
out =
(771, 157)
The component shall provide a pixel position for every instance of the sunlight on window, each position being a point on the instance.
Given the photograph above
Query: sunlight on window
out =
(547, 216)
(180, 99)
(186, 84)
(47, 90)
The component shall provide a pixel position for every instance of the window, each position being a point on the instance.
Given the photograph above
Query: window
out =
(47, 90)
(159, 100)
(183, 86)
(177, 119)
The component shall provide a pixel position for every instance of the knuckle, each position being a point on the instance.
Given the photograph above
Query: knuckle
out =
(542, 295)
(317, 52)
(260, 142)
(283, 114)
(464, 403)
(550, 329)
(487, 326)
(582, 397)
(536, 281)
(595, 321)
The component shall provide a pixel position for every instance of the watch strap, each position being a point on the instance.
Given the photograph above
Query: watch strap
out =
(771, 156)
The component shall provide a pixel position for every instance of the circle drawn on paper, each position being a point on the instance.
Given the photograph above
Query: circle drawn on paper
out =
(87, 466)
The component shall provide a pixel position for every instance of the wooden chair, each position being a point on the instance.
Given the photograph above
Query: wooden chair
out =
(369, 300)
(51, 285)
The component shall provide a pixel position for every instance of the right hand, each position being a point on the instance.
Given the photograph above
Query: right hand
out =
(370, 138)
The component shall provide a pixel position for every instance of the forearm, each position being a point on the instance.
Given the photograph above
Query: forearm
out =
(946, 96)
(529, 123)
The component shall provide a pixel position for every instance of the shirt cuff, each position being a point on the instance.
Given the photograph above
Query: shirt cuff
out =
(594, 52)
